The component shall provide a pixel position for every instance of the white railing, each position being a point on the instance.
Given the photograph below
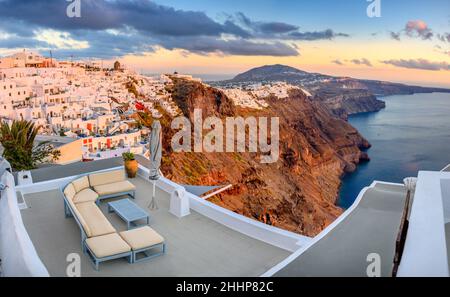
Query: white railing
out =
(18, 255)
(446, 168)
(272, 235)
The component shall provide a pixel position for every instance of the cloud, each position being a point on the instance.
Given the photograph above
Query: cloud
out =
(395, 36)
(316, 35)
(81, 44)
(258, 27)
(276, 27)
(415, 29)
(422, 64)
(60, 40)
(441, 50)
(143, 15)
(120, 27)
(14, 42)
(283, 31)
(445, 37)
(204, 45)
(362, 61)
(418, 29)
(337, 62)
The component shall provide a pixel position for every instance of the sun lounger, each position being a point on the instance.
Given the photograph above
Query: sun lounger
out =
(111, 184)
(99, 239)
(143, 241)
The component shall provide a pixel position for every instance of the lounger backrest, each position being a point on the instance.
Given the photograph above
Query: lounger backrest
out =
(81, 184)
(80, 218)
(104, 178)
(70, 191)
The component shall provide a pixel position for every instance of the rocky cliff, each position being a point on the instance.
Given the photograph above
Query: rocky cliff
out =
(348, 102)
(342, 95)
(297, 193)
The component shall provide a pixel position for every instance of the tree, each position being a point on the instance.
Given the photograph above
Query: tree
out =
(18, 141)
(117, 66)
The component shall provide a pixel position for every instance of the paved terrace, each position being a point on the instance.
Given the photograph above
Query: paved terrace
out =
(196, 245)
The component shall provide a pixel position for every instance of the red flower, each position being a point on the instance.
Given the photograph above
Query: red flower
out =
(139, 106)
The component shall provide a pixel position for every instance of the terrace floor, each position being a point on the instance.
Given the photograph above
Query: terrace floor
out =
(196, 245)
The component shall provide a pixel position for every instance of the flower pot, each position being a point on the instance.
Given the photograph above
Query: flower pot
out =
(131, 167)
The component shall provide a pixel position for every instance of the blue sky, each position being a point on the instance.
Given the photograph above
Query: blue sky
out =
(411, 40)
(349, 15)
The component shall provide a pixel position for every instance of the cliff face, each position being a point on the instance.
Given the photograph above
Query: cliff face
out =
(344, 103)
(298, 192)
(342, 95)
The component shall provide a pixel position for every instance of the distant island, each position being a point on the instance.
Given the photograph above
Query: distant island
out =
(342, 95)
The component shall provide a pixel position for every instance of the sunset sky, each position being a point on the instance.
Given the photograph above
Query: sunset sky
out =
(409, 43)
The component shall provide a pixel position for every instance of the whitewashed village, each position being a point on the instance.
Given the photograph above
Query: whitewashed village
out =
(79, 105)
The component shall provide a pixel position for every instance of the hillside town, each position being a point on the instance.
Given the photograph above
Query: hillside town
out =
(85, 110)
(253, 95)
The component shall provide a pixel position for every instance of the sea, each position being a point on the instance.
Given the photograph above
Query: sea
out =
(411, 134)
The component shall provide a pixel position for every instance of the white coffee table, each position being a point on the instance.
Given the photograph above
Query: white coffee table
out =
(129, 211)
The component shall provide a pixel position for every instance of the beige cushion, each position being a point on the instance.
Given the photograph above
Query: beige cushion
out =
(81, 184)
(86, 195)
(83, 223)
(107, 245)
(97, 222)
(142, 237)
(106, 177)
(70, 191)
(114, 188)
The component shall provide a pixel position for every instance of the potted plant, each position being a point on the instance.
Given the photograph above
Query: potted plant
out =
(131, 165)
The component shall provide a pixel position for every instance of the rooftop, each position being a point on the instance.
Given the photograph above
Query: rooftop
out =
(372, 227)
(77, 168)
(213, 241)
(196, 245)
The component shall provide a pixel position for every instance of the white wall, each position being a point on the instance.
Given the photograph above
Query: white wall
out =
(445, 189)
(19, 257)
(283, 239)
(425, 253)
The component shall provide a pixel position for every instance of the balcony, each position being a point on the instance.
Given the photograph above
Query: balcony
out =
(200, 244)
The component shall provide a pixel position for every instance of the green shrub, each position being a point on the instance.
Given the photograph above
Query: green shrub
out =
(128, 156)
(18, 141)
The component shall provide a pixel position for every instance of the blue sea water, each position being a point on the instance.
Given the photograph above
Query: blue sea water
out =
(411, 134)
